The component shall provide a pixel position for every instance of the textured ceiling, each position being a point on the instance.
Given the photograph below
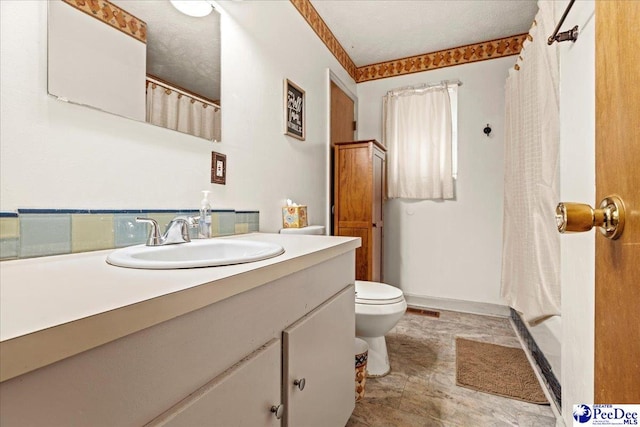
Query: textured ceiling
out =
(186, 50)
(373, 31)
(180, 49)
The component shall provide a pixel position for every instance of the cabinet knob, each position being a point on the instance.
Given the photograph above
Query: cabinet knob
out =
(278, 411)
(300, 383)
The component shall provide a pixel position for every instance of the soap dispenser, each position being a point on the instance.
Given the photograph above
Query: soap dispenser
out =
(205, 216)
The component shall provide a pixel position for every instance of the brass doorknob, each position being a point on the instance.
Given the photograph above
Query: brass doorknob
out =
(576, 217)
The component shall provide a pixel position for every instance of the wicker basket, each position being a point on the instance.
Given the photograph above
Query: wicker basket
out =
(362, 354)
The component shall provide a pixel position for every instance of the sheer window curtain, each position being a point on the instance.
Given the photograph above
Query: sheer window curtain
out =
(418, 131)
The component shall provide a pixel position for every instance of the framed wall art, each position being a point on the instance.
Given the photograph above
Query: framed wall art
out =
(294, 110)
(218, 168)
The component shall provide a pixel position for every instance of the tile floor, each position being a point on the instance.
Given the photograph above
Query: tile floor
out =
(421, 388)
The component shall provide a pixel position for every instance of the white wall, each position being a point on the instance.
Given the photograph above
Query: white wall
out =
(450, 249)
(577, 179)
(263, 43)
(58, 155)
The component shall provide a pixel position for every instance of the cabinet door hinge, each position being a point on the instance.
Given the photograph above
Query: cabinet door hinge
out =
(355, 125)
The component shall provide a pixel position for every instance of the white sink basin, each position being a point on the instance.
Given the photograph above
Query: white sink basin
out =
(197, 253)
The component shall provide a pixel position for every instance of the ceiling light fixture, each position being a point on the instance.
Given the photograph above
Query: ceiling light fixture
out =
(196, 8)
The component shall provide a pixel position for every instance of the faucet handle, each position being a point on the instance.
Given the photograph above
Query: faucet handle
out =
(154, 233)
(192, 221)
(172, 235)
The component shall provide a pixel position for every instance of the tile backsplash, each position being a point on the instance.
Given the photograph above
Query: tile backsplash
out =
(30, 233)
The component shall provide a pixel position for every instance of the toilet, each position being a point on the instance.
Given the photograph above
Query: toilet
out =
(379, 307)
(310, 229)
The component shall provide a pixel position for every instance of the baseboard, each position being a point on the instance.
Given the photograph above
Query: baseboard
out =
(472, 307)
(552, 383)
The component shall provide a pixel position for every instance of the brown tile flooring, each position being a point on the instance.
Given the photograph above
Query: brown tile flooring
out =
(421, 388)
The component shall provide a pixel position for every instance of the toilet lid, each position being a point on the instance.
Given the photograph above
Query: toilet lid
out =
(377, 293)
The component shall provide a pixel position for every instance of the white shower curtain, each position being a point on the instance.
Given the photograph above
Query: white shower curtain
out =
(173, 110)
(417, 133)
(531, 243)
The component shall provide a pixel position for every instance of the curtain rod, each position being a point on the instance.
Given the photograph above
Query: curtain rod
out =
(455, 82)
(168, 85)
(564, 36)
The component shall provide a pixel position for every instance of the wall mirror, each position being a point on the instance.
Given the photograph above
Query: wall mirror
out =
(141, 59)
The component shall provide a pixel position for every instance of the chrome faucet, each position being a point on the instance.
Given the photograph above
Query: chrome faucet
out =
(177, 230)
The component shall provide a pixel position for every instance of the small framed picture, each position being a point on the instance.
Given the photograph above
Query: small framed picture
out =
(294, 110)
(218, 168)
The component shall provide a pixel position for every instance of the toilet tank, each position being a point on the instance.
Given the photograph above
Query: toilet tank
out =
(311, 229)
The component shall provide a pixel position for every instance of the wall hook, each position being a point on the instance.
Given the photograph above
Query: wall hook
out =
(487, 130)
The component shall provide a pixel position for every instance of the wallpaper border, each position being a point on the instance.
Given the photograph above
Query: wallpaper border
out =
(481, 51)
(109, 13)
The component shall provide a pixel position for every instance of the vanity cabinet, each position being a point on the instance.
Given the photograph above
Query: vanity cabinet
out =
(317, 378)
(220, 365)
(359, 186)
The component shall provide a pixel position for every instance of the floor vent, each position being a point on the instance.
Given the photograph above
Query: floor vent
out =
(423, 312)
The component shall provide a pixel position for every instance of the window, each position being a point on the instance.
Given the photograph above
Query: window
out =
(420, 132)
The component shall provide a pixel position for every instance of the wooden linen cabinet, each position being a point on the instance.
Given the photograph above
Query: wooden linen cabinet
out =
(359, 186)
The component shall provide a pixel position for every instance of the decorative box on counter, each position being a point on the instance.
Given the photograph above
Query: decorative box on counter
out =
(294, 217)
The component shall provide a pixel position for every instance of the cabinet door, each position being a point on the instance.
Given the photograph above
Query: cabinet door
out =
(354, 190)
(360, 169)
(319, 349)
(241, 396)
(353, 185)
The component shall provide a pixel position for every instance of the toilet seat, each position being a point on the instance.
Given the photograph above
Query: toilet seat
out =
(375, 293)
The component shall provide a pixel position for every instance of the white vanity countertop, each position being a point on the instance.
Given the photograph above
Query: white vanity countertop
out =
(58, 306)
